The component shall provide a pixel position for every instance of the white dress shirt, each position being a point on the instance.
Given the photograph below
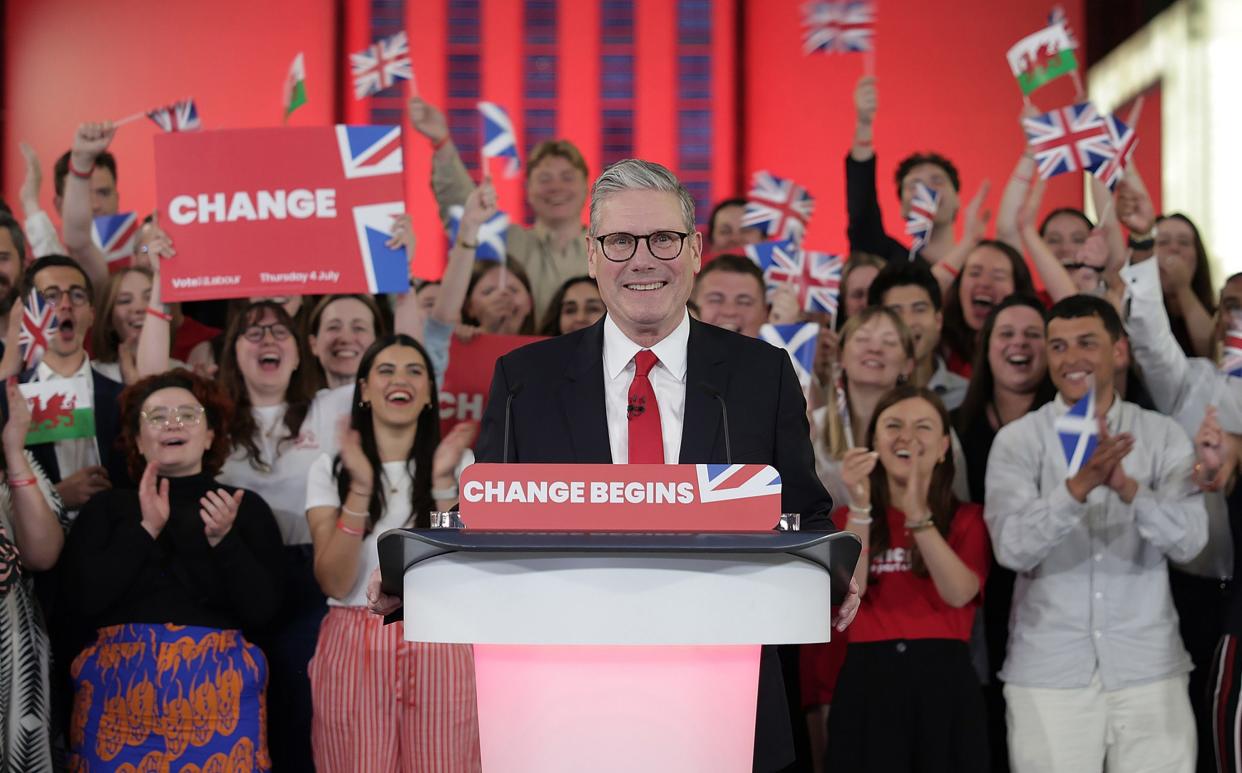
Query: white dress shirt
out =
(668, 381)
(77, 453)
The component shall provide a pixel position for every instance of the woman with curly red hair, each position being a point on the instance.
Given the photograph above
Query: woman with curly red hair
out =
(168, 575)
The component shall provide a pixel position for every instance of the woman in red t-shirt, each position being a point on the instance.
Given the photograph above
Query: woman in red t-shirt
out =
(907, 698)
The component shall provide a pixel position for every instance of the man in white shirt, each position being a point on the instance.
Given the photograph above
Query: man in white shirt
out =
(1095, 674)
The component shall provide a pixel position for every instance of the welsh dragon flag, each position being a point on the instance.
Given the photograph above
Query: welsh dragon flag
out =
(295, 85)
(1044, 56)
(59, 410)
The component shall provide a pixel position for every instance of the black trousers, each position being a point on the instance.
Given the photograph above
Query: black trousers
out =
(1202, 604)
(908, 706)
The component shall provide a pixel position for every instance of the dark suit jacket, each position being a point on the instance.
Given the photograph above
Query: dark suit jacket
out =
(558, 416)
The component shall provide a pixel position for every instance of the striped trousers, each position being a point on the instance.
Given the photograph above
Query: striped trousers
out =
(384, 704)
(1225, 683)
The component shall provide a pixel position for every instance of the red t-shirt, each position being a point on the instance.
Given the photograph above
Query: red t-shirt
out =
(901, 605)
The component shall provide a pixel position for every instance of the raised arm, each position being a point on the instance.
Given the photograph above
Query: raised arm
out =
(480, 205)
(974, 227)
(90, 140)
(155, 340)
(1012, 201)
(1056, 279)
(450, 182)
(38, 226)
(37, 529)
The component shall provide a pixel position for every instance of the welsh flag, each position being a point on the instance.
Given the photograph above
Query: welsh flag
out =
(295, 85)
(1042, 57)
(59, 410)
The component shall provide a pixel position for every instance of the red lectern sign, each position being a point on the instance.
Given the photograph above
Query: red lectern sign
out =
(622, 497)
(289, 211)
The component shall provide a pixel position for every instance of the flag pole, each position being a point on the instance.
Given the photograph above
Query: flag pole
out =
(129, 119)
(1135, 112)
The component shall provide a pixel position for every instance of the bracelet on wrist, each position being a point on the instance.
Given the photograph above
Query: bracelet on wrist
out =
(439, 143)
(154, 312)
(950, 270)
(465, 245)
(19, 482)
(73, 170)
(354, 513)
(351, 531)
(860, 510)
(861, 521)
(448, 492)
(920, 524)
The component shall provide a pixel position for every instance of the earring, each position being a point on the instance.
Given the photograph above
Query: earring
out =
(426, 406)
(364, 404)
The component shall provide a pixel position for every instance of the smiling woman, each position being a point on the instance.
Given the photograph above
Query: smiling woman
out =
(993, 271)
(341, 329)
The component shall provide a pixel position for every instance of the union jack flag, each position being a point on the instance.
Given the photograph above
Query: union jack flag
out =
(1231, 359)
(499, 141)
(1124, 140)
(178, 117)
(837, 27)
(1068, 139)
(816, 275)
(799, 340)
(492, 238)
(39, 324)
(922, 217)
(722, 482)
(114, 236)
(780, 208)
(367, 151)
(1079, 432)
(380, 65)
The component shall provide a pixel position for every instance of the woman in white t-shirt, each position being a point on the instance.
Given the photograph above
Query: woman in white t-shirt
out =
(382, 703)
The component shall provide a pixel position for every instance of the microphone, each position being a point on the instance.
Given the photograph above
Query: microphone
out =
(724, 416)
(513, 392)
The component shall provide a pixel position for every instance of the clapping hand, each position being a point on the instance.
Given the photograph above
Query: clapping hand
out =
(218, 511)
(856, 468)
(1104, 466)
(1211, 452)
(153, 500)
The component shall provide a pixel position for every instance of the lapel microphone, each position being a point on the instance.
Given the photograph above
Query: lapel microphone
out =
(513, 392)
(724, 416)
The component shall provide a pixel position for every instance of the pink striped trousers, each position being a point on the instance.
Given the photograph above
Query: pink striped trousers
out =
(384, 704)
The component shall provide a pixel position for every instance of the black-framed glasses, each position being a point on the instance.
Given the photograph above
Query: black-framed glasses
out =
(185, 416)
(664, 245)
(77, 295)
(254, 334)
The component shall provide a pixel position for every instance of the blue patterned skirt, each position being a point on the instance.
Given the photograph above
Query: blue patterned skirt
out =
(167, 697)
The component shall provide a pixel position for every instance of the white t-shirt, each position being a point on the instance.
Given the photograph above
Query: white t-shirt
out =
(283, 486)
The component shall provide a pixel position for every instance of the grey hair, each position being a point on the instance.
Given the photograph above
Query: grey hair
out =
(634, 174)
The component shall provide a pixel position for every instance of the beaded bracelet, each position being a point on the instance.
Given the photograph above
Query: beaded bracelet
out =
(351, 531)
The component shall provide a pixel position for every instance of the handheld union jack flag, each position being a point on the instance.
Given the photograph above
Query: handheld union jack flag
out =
(922, 217)
(1079, 432)
(380, 65)
(1068, 139)
(721, 482)
(39, 324)
(178, 117)
(493, 234)
(780, 208)
(1231, 357)
(1124, 140)
(799, 340)
(499, 140)
(816, 275)
(114, 236)
(837, 27)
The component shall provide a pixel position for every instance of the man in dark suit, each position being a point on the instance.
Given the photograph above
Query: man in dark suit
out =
(648, 384)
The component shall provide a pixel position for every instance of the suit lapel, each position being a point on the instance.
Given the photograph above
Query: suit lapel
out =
(706, 363)
(582, 399)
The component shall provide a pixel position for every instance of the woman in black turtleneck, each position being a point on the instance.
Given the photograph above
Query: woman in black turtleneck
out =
(168, 574)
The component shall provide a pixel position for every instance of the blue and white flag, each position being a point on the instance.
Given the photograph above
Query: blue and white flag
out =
(492, 234)
(499, 140)
(1079, 432)
(721, 482)
(798, 340)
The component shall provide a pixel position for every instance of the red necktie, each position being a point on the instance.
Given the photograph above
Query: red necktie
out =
(646, 440)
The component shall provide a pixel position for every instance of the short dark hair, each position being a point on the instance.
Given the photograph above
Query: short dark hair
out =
(10, 224)
(61, 169)
(916, 159)
(1081, 306)
(904, 273)
(733, 264)
(711, 221)
(49, 261)
(1071, 211)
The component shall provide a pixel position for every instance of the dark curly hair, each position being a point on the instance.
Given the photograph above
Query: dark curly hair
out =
(219, 411)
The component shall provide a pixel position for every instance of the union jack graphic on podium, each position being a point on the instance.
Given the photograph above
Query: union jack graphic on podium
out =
(178, 117)
(1079, 432)
(778, 207)
(922, 217)
(39, 324)
(380, 65)
(799, 341)
(1068, 139)
(1231, 357)
(367, 151)
(499, 140)
(492, 238)
(837, 27)
(114, 236)
(723, 482)
(1124, 140)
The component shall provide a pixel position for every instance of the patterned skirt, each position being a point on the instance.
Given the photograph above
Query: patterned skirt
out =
(169, 698)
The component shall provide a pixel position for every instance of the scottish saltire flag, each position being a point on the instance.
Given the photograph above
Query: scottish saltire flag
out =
(1068, 139)
(499, 140)
(114, 235)
(1124, 140)
(493, 234)
(380, 65)
(1079, 432)
(779, 208)
(1231, 355)
(367, 151)
(178, 117)
(837, 27)
(799, 340)
(39, 324)
(922, 217)
(721, 482)
(59, 410)
(1043, 56)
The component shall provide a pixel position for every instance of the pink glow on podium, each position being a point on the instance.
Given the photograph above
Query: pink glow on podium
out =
(554, 709)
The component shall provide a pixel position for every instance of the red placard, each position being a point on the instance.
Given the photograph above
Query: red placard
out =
(289, 211)
(463, 394)
(621, 497)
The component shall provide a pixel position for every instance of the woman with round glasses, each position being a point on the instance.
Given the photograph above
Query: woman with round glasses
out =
(168, 575)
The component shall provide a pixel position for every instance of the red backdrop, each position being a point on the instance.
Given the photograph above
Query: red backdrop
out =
(671, 81)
